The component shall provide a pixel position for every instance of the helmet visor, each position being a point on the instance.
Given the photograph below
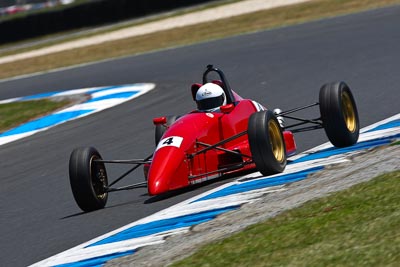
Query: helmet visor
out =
(210, 103)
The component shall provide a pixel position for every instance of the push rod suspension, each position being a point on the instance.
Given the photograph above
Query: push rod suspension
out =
(128, 187)
(131, 170)
(127, 161)
(225, 150)
(314, 121)
(305, 129)
(308, 128)
(297, 109)
(226, 169)
(218, 144)
(304, 121)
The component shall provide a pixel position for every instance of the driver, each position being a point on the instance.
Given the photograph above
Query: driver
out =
(210, 97)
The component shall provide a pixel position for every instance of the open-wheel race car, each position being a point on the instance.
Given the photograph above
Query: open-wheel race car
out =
(225, 135)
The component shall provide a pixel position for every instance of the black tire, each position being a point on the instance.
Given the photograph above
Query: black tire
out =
(88, 179)
(339, 114)
(266, 143)
(160, 129)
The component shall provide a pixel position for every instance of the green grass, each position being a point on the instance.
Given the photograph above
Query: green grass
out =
(265, 19)
(356, 227)
(13, 114)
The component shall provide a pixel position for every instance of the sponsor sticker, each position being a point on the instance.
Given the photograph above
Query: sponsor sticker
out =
(175, 141)
(258, 106)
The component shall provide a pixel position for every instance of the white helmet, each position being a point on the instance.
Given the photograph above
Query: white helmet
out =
(210, 96)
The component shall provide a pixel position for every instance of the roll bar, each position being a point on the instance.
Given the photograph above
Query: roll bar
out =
(225, 85)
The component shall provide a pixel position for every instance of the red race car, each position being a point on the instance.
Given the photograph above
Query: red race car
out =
(225, 135)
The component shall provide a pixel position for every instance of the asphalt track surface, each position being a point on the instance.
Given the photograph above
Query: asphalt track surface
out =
(279, 68)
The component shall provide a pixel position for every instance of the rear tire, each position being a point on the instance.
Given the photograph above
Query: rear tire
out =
(339, 114)
(266, 142)
(88, 179)
(160, 129)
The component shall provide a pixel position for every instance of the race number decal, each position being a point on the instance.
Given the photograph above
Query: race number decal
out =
(175, 141)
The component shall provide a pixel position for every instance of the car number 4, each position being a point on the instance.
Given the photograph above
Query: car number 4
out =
(175, 141)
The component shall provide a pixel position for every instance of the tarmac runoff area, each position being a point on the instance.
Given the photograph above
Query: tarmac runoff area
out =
(220, 12)
(360, 168)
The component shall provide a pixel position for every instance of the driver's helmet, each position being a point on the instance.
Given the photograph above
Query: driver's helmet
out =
(210, 97)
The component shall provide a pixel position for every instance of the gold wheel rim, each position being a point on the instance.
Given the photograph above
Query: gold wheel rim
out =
(276, 141)
(348, 112)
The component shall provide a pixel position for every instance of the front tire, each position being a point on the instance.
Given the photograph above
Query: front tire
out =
(339, 114)
(160, 129)
(266, 143)
(88, 179)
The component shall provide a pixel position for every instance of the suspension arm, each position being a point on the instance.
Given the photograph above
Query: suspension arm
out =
(128, 187)
(124, 161)
(314, 121)
(137, 163)
(217, 144)
(225, 150)
(297, 109)
(305, 129)
(226, 169)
